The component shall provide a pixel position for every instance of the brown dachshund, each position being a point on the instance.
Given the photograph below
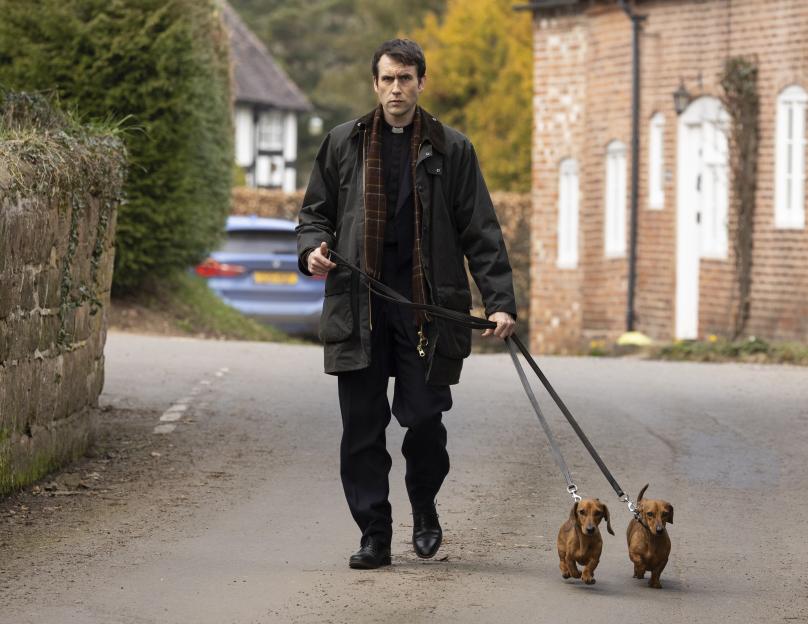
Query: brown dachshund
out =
(579, 539)
(648, 541)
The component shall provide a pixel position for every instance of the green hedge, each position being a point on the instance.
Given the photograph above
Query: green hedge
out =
(160, 68)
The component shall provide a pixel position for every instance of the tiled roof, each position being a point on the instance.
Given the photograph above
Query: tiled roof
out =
(258, 78)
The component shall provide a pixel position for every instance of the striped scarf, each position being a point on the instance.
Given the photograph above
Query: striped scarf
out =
(376, 209)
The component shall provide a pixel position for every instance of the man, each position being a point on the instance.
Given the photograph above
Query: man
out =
(400, 195)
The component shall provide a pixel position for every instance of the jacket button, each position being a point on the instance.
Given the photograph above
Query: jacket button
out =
(428, 154)
(419, 187)
(437, 170)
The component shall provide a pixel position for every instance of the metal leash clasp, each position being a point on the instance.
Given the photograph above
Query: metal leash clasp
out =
(573, 490)
(422, 342)
(631, 506)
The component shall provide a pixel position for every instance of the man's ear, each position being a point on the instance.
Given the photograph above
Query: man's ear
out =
(421, 83)
(669, 510)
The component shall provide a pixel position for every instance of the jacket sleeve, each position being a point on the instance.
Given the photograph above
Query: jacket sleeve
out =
(481, 236)
(318, 214)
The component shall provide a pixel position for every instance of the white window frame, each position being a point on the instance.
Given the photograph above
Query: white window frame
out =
(789, 186)
(270, 131)
(656, 162)
(615, 204)
(568, 207)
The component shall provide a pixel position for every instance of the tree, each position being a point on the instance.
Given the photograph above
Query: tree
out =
(161, 65)
(479, 80)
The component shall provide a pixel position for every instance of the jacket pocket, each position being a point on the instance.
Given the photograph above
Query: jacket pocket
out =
(338, 320)
(454, 341)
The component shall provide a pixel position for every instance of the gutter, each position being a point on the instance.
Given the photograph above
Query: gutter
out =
(636, 24)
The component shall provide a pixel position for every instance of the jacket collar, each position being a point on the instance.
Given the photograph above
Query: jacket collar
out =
(432, 128)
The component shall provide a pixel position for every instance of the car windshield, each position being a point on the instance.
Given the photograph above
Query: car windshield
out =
(260, 242)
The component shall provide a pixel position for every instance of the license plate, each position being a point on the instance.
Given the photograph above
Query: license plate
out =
(275, 277)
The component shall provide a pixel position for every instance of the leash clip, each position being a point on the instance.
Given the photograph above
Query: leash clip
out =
(422, 342)
(631, 506)
(573, 490)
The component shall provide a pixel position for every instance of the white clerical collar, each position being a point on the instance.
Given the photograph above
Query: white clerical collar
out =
(397, 130)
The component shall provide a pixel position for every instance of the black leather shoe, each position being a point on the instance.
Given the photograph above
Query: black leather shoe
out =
(426, 533)
(373, 554)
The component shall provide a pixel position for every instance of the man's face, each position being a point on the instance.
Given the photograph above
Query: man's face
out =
(398, 88)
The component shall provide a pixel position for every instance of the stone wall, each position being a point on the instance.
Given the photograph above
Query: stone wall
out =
(60, 189)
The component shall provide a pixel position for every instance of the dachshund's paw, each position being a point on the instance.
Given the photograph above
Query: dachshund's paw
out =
(589, 581)
(655, 584)
(576, 573)
(639, 575)
(565, 575)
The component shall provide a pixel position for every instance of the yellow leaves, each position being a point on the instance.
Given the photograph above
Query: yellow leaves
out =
(479, 80)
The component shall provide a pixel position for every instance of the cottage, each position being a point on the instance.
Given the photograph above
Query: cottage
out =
(267, 104)
(685, 282)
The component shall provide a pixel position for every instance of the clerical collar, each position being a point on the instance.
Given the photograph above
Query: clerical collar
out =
(396, 130)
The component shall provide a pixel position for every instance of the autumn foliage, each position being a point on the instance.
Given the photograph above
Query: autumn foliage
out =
(479, 64)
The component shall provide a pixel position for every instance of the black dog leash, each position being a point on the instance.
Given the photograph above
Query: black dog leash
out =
(475, 322)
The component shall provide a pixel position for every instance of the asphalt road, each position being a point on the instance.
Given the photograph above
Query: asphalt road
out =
(237, 514)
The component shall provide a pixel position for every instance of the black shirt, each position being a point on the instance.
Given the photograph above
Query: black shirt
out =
(395, 157)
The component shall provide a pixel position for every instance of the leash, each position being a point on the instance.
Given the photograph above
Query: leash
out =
(475, 322)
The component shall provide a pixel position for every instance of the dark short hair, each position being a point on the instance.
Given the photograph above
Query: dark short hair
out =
(405, 51)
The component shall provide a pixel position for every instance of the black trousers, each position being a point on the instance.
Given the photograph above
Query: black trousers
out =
(364, 460)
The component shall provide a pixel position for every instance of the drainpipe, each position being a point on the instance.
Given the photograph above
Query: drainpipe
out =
(636, 23)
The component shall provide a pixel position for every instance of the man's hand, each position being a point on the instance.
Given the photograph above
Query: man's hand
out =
(506, 325)
(318, 262)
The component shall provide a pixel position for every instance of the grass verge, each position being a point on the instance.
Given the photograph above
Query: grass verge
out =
(712, 349)
(182, 305)
(751, 349)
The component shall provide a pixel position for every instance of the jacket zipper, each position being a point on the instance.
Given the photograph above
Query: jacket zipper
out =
(364, 155)
(423, 225)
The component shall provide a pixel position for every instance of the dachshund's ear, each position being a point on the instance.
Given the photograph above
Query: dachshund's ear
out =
(574, 512)
(669, 510)
(642, 491)
(608, 519)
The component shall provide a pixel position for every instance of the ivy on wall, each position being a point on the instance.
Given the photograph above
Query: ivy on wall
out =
(739, 82)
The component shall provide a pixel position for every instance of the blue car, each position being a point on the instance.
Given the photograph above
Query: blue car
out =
(255, 271)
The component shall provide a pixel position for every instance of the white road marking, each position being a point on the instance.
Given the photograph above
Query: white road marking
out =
(176, 411)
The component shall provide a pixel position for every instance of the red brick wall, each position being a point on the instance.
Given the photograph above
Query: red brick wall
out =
(583, 101)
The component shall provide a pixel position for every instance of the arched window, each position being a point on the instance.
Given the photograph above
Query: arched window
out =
(656, 162)
(568, 214)
(615, 222)
(789, 190)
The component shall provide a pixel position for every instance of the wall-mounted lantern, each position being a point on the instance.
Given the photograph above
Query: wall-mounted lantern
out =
(681, 98)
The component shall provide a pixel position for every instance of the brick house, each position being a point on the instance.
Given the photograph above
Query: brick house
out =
(685, 271)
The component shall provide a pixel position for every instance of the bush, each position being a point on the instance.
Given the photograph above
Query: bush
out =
(159, 67)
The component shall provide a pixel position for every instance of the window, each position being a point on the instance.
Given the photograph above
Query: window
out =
(270, 131)
(568, 215)
(656, 162)
(789, 193)
(615, 234)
